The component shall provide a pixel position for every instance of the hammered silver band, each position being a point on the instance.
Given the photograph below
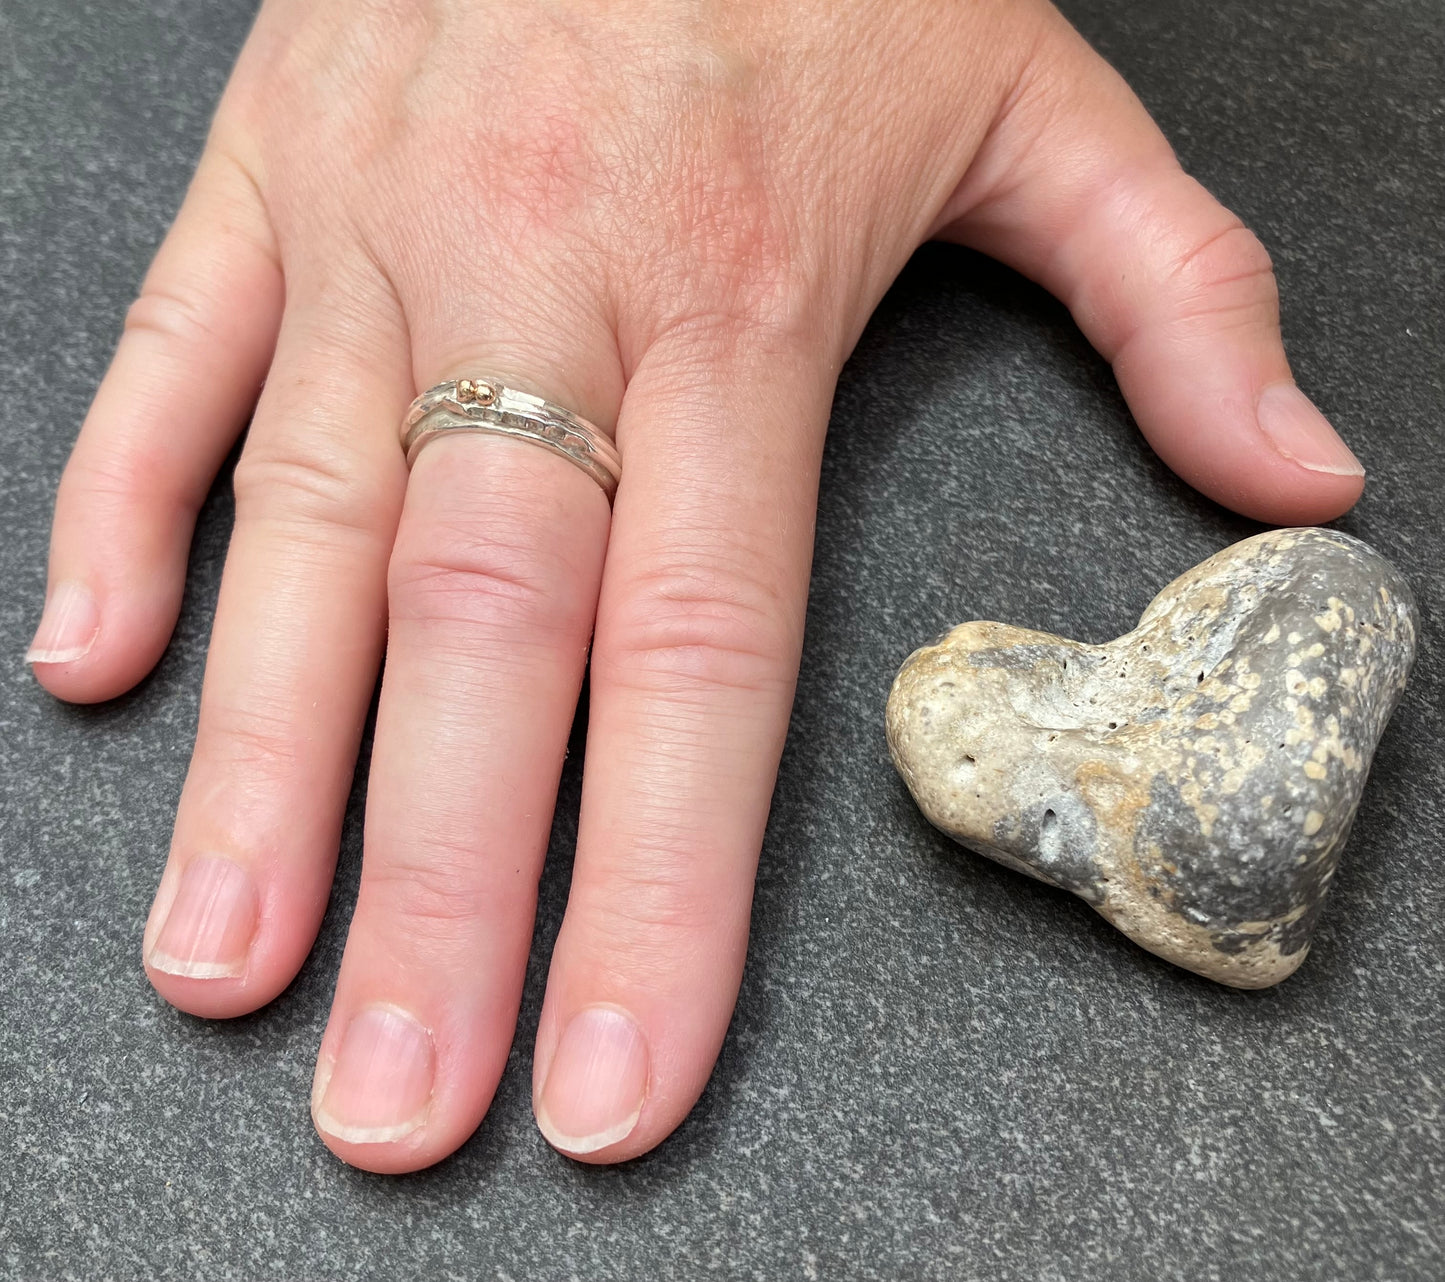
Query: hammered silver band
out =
(486, 405)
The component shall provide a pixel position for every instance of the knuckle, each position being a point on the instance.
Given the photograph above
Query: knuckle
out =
(257, 740)
(732, 247)
(307, 480)
(436, 896)
(121, 483)
(479, 574)
(665, 902)
(1229, 267)
(727, 261)
(173, 313)
(659, 899)
(701, 627)
(548, 150)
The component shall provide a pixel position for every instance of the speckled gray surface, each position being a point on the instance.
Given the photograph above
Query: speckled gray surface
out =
(938, 1068)
(1193, 780)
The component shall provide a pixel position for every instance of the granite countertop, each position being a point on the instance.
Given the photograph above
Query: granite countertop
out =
(938, 1069)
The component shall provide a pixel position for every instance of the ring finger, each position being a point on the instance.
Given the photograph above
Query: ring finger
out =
(492, 593)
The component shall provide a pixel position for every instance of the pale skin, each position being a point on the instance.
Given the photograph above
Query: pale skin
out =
(673, 217)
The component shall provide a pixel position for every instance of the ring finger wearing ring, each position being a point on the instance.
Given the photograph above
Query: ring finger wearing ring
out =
(493, 589)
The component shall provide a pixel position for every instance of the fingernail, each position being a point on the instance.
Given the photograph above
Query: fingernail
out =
(380, 1084)
(67, 627)
(1302, 434)
(596, 1083)
(211, 922)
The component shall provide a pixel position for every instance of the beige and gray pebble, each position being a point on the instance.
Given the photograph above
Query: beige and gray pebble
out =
(1194, 780)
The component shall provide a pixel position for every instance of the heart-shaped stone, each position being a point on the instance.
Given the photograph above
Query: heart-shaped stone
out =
(1194, 780)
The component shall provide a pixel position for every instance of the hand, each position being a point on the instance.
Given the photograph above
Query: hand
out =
(674, 219)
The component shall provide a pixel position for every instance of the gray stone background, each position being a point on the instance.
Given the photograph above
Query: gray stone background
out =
(938, 1069)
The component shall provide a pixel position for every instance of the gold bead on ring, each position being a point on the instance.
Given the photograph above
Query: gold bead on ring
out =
(487, 405)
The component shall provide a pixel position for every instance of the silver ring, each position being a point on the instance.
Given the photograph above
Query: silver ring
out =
(485, 405)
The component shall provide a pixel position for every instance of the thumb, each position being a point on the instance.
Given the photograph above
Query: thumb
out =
(1077, 188)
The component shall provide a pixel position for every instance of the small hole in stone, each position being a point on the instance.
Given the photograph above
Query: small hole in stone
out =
(1113, 725)
(1199, 680)
(1050, 846)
